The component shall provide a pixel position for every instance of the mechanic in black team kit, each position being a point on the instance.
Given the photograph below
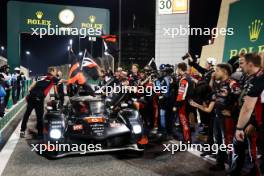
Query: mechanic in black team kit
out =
(35, 100)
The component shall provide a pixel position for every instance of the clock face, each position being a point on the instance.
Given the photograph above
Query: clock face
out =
(66, 16)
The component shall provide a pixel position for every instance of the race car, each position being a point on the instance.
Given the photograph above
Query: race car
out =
(92, 120)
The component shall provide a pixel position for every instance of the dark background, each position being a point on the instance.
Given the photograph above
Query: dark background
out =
(203, 13)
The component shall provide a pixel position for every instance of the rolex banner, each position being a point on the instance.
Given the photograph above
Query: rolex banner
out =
(246, 17)
(40, 19)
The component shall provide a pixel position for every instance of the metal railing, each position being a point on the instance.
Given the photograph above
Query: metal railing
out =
(13, 109)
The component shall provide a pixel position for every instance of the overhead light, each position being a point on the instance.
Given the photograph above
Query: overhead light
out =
(27, 52)
(2, 48)
(80, 53)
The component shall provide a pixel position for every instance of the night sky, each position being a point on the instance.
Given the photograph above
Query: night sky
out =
(53, 50)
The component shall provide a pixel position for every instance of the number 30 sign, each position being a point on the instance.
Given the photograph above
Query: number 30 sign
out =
(173, 6)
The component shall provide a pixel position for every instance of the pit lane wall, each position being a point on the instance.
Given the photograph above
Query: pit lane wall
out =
(9, 122)
(246, 17)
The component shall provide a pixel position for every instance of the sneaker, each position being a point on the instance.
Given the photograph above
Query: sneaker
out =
(22, 134)
(217, 167)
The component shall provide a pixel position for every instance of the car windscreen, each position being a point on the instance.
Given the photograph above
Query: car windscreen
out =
(97, 107)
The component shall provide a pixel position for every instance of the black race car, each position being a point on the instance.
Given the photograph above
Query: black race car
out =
(99, 123)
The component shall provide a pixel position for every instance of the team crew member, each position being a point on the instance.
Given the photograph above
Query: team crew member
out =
(206, 72)
(59, 89)
(253, 104)
(225, 90)
(35, 100)
(185, 86)
(207, 106)
(133, 77)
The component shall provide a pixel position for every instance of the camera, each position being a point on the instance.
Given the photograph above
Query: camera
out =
(186, 56)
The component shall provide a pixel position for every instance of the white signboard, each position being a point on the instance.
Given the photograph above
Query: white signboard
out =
(169, 48)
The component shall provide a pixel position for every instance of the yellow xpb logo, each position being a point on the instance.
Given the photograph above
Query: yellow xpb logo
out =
(254, 30)
(39, 14)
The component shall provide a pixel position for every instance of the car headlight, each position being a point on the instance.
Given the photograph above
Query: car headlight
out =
(55, 133)
(137, 129)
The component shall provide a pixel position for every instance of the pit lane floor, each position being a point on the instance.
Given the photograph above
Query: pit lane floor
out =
(24, 162)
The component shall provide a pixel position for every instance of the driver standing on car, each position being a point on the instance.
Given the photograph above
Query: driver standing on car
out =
(35, 100)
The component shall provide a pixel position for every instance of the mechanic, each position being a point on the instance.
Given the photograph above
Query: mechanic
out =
(207, 107)
(225, 90)
(152, 101)
(35, 100)
(59, 90)
(201, 85)
(185, 88)
(251, 116)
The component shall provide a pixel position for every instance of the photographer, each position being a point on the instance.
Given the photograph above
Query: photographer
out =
(201, 88)
(206, 72)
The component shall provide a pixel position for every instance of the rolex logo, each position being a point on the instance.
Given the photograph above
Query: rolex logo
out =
(92, 18)
(39, 14)
(254, 30)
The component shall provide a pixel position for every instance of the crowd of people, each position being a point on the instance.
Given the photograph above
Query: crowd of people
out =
(223, 101)
(12, 85)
